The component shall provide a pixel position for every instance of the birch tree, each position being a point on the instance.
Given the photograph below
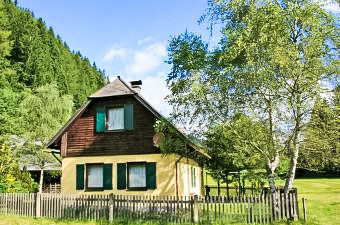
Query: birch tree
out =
(269, 64)
(43, 113)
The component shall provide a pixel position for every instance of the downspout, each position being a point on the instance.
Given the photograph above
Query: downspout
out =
(188, 168)
(176, 183)
(188, 173)
(202, 180)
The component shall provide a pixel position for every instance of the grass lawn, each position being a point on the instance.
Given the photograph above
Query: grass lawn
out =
(323, 200)
(17, 220)
(323, 204)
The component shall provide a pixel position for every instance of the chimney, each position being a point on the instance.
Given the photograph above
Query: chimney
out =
(136, 85)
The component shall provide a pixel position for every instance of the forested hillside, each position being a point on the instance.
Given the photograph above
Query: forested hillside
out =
(31, 55)
(42, 82)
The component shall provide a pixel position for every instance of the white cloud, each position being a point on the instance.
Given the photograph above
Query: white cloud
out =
(113, 53)
(329, 5)
(154, 90)
(147, 59)
(146, 39)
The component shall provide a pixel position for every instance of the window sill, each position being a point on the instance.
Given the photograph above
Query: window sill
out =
(95, 189)
(137, 189)
(119, 130)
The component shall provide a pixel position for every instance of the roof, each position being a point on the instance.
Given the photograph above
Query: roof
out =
(116, 88)
(52, 143)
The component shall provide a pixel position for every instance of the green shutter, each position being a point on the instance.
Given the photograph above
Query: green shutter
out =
(121, 176)
(128, 116)
(151, 175)
(107, 177)
(80, 177)
(100, 119)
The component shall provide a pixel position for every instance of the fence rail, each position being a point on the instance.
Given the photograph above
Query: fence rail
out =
(217, 209)
(52, 188)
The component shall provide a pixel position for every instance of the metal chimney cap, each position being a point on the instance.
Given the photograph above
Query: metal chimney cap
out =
(136, 83)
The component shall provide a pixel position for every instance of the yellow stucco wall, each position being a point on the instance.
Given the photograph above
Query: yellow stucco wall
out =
(165, 174)
(184, 178)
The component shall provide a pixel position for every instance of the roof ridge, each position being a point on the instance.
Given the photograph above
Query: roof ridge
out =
(115, 88)
(126, 85)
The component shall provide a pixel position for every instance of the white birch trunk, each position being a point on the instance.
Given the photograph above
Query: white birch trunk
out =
(294, 154)
(41, 181)
(293, 163)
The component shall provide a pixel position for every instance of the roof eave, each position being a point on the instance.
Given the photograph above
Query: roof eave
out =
(53, 142)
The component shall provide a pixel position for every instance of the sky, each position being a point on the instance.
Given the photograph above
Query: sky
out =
(125, 38)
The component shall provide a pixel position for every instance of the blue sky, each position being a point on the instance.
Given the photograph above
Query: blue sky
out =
(126, 38)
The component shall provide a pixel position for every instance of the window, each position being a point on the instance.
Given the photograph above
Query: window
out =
(94, 176)
(110, 118)
(136, 175)
(193, 177)
(115, 118)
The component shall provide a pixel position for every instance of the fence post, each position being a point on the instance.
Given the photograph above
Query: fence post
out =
(6, 198)
(191, 205)
(37, 204)
(297, 204)
(304, 205)
(195, 209)
(111, 203)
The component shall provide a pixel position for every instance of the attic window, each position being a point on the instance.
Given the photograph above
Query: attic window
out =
(115, 118)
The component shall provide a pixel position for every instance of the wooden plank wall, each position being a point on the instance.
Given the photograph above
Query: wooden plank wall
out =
(259, 209)
(82, 139)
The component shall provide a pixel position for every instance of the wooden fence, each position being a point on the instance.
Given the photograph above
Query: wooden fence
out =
(52, 188)
(217, 209)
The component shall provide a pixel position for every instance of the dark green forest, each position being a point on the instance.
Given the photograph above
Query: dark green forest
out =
(38, 70)
(31, 56)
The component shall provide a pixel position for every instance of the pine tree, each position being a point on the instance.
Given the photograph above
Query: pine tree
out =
(5, 50)
(320, 150)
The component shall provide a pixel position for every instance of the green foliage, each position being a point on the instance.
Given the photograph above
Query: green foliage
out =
(41, 82)
(12, 179)
(46, 111)
(31, 56)
(269, 64)
(320, 150)
(5, 48)
(9, 101)
(232, 147)
(171, 142)
(174, 142)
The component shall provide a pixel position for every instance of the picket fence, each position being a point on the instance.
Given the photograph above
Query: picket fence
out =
(216, 209)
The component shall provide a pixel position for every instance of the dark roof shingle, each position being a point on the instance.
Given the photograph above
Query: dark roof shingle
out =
(115, 88)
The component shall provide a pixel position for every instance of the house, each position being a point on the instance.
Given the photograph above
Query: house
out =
(107, 147)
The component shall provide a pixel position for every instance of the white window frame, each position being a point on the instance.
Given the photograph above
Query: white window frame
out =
(89, 178)
(143, 179)
(121, 127)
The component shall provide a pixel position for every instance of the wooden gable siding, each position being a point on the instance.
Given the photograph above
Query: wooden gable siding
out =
(82, 139)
